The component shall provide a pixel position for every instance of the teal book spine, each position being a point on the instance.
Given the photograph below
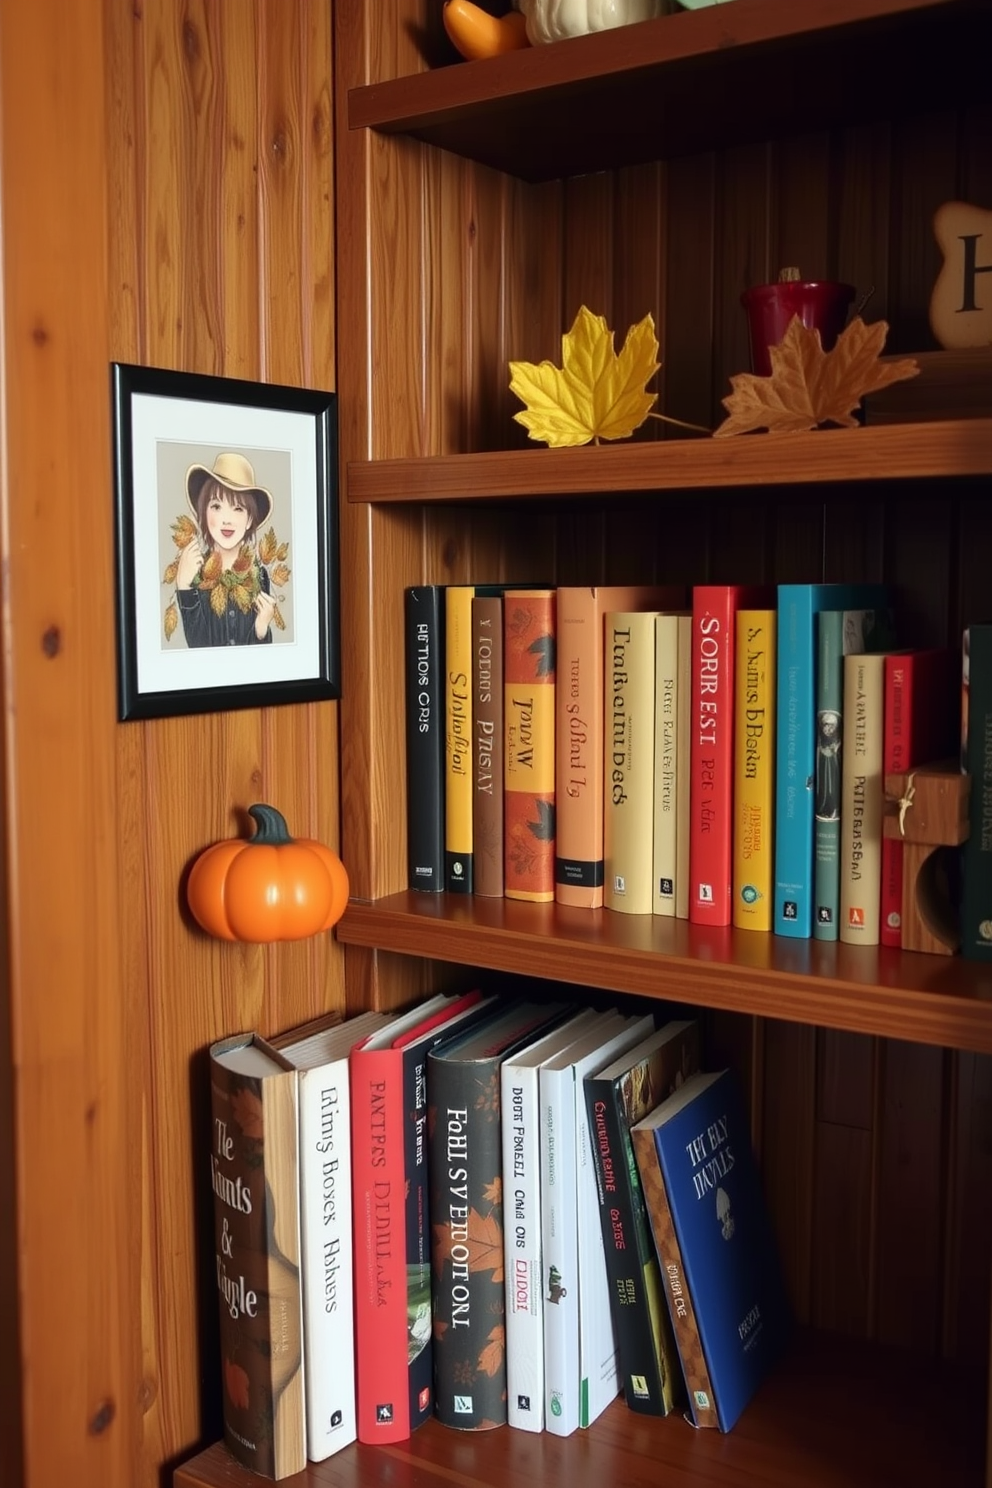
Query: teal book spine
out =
(795, 774)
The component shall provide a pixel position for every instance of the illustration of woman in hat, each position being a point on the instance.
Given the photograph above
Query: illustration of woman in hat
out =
(224, 573)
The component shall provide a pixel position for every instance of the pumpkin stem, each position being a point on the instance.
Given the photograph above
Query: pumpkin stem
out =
(270, 824)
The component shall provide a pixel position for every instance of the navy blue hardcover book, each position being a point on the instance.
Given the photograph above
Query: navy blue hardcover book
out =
(730, 1261)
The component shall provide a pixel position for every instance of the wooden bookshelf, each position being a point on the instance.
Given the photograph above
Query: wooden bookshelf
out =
(837, 1414)
(867, 989)
(952, 449)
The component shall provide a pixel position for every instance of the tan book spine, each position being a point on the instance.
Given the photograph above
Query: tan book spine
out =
(861, 799)
(666, 705)
(683, 727)
(680, 1308)
(579, 729)
(628, 773)
(255, 1178)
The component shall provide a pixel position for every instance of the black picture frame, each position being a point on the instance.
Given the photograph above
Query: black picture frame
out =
(257, 622)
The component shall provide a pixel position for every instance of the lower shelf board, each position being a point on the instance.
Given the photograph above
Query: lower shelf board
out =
(837, 1414)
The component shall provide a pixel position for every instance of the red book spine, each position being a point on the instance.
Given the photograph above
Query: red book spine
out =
(896, 748)
(919, 728)
(711, 755)
(379, 1180)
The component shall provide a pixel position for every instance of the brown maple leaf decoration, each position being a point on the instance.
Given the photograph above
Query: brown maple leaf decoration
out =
(810, 386)
(485, 1245)
(491, 1356)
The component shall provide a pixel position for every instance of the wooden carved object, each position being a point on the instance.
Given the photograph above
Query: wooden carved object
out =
(927, 809)
(961, 301)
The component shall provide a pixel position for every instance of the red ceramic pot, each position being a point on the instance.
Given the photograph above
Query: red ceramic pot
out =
(821, 305)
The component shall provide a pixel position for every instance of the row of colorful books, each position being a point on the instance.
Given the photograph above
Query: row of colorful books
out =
(478, 1210)
(667, 752)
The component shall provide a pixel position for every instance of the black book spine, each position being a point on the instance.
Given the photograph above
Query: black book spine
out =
(626, 1270)
(466, 1164)
(424, 694)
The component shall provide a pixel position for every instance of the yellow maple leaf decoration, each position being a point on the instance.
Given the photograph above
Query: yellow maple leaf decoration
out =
(595, 394)
(809, 386)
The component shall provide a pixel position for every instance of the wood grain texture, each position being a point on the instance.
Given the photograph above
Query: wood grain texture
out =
(852, 1416)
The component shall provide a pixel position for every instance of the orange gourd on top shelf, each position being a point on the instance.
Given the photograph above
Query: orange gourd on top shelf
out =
(269, 887)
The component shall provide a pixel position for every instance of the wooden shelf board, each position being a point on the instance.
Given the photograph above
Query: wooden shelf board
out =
(944, 449)
(686, 82)
(837, 1414)
(930, 999)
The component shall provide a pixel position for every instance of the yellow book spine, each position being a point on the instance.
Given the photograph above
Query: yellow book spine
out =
(458, 794)
(861, 799)
(628, 784)
(754, 769)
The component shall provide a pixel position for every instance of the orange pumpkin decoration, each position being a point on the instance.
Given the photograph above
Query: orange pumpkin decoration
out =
(270, 887)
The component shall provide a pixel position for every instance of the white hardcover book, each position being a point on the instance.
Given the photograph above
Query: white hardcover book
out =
(321, 1061)
(559, 1079)
(524, 1318)
(666, 687)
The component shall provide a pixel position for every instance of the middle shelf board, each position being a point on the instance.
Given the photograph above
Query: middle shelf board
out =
(949, 448)
(941, 1000)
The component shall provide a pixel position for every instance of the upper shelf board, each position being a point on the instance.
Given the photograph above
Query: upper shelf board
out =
(947, 449)
(690, 81)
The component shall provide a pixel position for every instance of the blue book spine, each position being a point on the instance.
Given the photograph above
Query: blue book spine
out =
(730, 1261)
(798, 606)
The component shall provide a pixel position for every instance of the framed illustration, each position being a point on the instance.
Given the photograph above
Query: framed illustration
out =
(227, 553)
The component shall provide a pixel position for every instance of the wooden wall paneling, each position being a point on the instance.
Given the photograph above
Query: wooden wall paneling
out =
(862, 162)
(910, 1201)
(639, 267)
(532, 309)
(974, 543)
(686, 331)
(804, 215)
(487, 374)
(925, 174)
(854, 531)
(68, 1036)
(786, 1100)
(920, 538)
(744, 216)
(965, 1282)
(444, 314)
(587, 242)
(400, 341)
(843, 1174)
(974, 182)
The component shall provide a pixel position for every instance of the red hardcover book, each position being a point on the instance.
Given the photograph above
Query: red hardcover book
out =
(711, 754)
(393, 1356)
(920, 726)
(529, 744)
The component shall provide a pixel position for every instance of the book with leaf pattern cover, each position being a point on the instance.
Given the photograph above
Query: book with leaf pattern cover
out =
(466, 1209)
(529, 743)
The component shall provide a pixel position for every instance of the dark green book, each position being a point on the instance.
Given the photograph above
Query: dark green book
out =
(616, 1098)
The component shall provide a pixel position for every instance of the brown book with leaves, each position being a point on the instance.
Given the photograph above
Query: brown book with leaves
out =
(466, 1208)
(529, 743)
(254, 1173)
(487, 755)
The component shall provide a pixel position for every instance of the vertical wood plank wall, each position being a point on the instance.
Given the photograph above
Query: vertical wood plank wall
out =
(167, 185)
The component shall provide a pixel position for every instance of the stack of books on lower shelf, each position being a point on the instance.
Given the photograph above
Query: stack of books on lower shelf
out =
(491, 1210)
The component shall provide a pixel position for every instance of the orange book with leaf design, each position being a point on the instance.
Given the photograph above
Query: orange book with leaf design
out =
(529, 743)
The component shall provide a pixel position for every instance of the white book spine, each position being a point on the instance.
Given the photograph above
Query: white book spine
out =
(666, 653)
(599, 1362)
(560, 1260)
(520, 1104)
(325, 1217)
